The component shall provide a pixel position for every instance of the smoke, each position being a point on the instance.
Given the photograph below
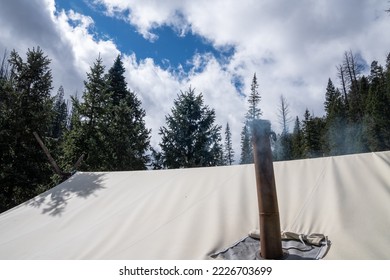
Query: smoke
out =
(345, 137)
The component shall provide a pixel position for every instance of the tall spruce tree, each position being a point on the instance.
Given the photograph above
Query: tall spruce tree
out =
(246, 145)
(228, 147)
(376, 120)
(60, 111)
(128, 137)
(313, 130)
(387, 76)
(297, 141)
(108, 125)
(117, 81)
(25, 108)
(254, 112)
(157, 161)
(336, 121)
(190, 137)
(89, 134)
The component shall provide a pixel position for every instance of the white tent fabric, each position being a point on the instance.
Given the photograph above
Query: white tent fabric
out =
(192, 213)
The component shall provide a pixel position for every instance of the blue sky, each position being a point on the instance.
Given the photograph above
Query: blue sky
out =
(214, 46)
(170, 50)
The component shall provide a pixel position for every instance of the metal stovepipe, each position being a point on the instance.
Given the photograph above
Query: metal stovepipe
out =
(270, 235)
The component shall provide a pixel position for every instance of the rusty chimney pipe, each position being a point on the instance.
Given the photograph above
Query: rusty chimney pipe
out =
(270, 235)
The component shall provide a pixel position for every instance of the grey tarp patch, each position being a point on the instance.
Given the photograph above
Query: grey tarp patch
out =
(294, 249)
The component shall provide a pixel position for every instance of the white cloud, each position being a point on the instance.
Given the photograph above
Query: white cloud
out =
(76, 30)
(293, 47)
(156, 89)
(65, 37)
(147, 16)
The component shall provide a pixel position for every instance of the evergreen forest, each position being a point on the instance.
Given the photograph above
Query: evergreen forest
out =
(104, 129)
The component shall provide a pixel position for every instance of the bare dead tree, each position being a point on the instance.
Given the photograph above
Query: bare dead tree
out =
(283, 114)
(353, 67)
(341, 75)
(4, 66)
(64, 175)
(348, 73)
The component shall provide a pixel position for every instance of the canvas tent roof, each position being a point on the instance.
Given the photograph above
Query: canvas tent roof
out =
(191, 213)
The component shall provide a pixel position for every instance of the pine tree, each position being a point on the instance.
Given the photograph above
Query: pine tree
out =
(333, 99)
(96, 97)
(108, 126)
(376, 119)
(297, 141)
(228, 148)
(357, 100)
(254, 112)
(74, 117)
(313, 131)
(128, 137)
(89, 134)
(25, 108)
(117, 81)
(246, 146)
(254, 99)
(190, 137)
(387, 76)
(8, 188)
(157, 161)
(336, 122)
(60, 110)
(72, 146)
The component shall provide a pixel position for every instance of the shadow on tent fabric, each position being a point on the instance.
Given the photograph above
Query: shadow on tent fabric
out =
(55, 200)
